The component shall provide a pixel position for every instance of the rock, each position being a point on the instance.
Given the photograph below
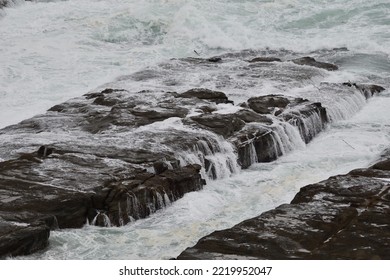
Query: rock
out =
(214, 59)
(116, 155)
(225, 125)
(22, 239)
(160, 167)
(265, 59)
(344, 217)
(249, 116)
(30, 201)
(267, 104)
(368, 90)
(207, 94)
(310, 119)
(383, 165)
(309, 61)
(256, 144)
(144, 193)
(3, 3)
(44, 151)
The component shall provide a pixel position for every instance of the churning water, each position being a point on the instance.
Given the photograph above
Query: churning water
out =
(54, 50)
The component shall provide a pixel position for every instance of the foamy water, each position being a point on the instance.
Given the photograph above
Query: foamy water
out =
(54, 50)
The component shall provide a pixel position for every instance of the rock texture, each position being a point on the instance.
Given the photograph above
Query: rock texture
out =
(119, 154)
(3, 3)
(344, 217)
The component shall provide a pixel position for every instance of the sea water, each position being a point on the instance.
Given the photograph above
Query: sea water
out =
(55, 50)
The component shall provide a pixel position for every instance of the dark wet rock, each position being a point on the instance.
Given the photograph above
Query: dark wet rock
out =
(214, 59)
(44, 151)
(225, 125)
(207, 94)
(22, 239)
(310, 61)
(27, 202)
(367, 89)
(265, 59)
(268, 104)
(203, 61)
(383, 165)
(249, 116)
(256, 144)
(144, 193)
(310, 119)
(344, 217)
(160, 167)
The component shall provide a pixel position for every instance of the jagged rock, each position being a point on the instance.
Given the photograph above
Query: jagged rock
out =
(310, 61)
(207, 94)
(344, 217)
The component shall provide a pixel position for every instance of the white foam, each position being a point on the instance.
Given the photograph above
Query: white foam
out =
(54, 51)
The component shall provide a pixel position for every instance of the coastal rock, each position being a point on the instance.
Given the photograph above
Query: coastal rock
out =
(207, 94)
(22, 239)
(118, 154)
(265, 59)
(310, 61)
(225, 125)
(344, 217)
(268, 104)
(367, 89)
(3, 3)
(144, 193)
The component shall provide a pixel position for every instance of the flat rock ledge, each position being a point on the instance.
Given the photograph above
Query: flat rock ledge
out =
(116, 155)
(343, 217)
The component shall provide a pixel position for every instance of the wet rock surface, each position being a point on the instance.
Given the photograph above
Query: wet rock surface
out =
(310, 61)
(344, 217)
(134, 146)
(3, 3)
